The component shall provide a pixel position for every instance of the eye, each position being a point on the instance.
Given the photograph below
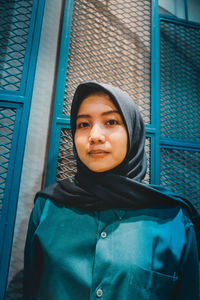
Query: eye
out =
(112, 122)
(82, 125)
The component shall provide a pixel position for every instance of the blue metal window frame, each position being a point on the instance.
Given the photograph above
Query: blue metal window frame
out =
(152, 130)
(59, 120)
(26, 69)
(155, 93)
(173, 143)
(21, 101)
(62, 121)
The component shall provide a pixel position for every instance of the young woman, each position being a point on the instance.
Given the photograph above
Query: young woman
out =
(108, 235)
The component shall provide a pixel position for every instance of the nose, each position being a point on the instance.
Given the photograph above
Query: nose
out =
(96, 135)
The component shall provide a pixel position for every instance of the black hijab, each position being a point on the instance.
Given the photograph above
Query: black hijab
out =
(121, 187)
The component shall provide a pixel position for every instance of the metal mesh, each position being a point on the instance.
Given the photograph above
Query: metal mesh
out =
(147, 178)
(66, 166)
(180, 171)
(7, 121)
(110, 42)
(14, 27)
(180, 85)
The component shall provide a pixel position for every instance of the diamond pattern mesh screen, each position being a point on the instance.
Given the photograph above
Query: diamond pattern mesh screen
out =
(180, 84)
(14, 27)
(110, 42)
(180, 171)
(180, 106)
(66, 166)
(7, 122)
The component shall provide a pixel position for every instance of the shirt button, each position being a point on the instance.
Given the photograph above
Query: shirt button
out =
(103, 235)
(99, 293)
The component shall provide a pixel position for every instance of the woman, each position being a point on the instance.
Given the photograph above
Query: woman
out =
(109, 235)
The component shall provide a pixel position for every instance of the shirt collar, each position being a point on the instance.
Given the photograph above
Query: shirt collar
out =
(119, 213)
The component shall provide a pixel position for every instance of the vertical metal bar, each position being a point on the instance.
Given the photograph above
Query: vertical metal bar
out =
(155, 91)
(9, 208)
(18, 145)
(59, 94)
(186, 9)
(28, 48)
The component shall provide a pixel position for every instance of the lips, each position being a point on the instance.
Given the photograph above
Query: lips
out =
(97, 152)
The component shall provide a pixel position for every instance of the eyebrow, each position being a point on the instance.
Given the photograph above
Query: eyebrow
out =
(103, 114)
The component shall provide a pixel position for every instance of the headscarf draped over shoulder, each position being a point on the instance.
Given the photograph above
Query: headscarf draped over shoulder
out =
(121, 187)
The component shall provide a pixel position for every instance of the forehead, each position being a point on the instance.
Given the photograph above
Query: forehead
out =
(97, 101)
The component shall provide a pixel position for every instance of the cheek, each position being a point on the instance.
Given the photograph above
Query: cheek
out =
(122, 149)
(120, 143)
(80, 143)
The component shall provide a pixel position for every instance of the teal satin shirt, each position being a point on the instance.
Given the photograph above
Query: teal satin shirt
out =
(110, 255)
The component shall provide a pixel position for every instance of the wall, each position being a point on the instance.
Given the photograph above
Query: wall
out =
(176, 7)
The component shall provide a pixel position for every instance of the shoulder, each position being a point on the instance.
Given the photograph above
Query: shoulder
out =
(46, 210)
(168, 222)
(38, 210)
(163, 214)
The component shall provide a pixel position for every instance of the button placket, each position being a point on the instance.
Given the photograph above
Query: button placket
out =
(103, 232)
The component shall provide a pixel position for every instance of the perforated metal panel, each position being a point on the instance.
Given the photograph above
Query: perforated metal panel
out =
(110, 42)
(20, 25)
(180, 171)
(7, 122)
(180, 81)
(14, 28)
(66, 166)
(180, 107)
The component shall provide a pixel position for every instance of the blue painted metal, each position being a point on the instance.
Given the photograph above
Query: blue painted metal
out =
(179, 21)
(12, 97)
(18, 141)
(63, 120)
(26, 68)
(59, 121)
(149, 128)
(174, 143)
(155, 92)
(9, 204)
(186, 9)
(179, 144)
(14, 45)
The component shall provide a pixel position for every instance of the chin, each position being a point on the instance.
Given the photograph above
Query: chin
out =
(100, 169)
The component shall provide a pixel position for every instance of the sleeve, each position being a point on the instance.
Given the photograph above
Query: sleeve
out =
(188, 283)
(32, 253)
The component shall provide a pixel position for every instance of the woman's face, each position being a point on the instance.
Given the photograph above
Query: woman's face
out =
(100, 138)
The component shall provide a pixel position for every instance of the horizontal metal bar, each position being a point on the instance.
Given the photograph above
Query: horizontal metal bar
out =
(150, 129)
(65, 120)
(179, 144)
(10, 104)
(179, 21)
(12, 98)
